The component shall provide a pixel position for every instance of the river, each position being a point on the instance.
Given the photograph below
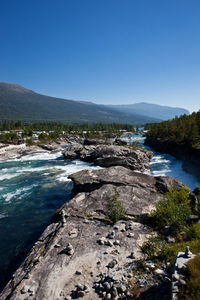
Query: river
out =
(34, 186)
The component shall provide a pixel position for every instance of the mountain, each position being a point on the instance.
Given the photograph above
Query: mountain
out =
(19, 103)
(151, 110)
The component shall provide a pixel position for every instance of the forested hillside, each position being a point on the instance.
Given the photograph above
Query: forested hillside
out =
(184, 130)
(18, 103)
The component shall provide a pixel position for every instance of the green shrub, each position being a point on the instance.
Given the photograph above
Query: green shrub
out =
(151, 249)
(116, 211)
(172, 211)
(29, 142)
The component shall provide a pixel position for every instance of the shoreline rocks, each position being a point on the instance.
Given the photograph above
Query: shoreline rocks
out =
(105, 155)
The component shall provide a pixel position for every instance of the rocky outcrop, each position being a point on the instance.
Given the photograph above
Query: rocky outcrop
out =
(73, 139)
(95, 142)
(110, 155)
(79, 255)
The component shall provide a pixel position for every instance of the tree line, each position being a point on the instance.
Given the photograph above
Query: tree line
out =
(55, 130)
(183, 130)
(54, 126)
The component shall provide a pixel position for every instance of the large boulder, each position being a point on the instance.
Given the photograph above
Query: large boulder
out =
(110, 155)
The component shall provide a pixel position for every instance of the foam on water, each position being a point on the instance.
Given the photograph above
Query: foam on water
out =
(7, 176)
(41, 156)
(18, 192)
(73, 168)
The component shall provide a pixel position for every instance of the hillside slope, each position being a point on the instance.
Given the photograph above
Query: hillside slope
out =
(18, 103)
(151, 110)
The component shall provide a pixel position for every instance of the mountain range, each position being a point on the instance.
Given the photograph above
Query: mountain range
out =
(19, 103)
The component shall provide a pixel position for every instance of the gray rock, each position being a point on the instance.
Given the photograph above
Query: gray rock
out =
(160, 272)
(114, 292)
(80, 293)
(182, 282)
(130, 235)
(80, 287)
(132, 255)
(24, 290)
(112, 263)
(110, 155)
(107, 286)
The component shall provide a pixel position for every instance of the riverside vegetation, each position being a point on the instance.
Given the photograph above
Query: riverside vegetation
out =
(173, 219)
(52, 131)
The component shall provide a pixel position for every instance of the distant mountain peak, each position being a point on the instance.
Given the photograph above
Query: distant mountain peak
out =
(15, 88)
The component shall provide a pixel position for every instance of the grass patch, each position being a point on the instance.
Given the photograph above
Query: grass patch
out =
(116, 211)
(191, 291)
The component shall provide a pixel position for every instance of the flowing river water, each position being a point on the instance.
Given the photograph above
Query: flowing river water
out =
(34, 186)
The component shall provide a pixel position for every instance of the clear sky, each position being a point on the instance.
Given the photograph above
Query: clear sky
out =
(105, 51)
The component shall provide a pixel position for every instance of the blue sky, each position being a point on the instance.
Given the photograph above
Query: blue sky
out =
(105, 51)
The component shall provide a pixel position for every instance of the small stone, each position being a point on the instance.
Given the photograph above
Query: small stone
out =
(116, 242)
(101, 241)
(80, 293)
(116, 227)
(31, 290)
(80, 287)
(112, 263)
(78, 272)
(175, 289)
(160, 272)
(132, 255)
(170, 239)
(69, 246)
(98, 262)
(108, 243)
(57, 246)
(108, 296)
(111, 235)
(24, 290)
(114, 292)
(71, 252)
(130, 235)
(175, 277)
(182, 282)
(150, 265)
(68, 298)
(86, 289)
(166, 279)
(188, 253)
(106, 286)
(96, 286)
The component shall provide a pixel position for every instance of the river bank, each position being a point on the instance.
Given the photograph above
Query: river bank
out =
(190, 158)
(10, 151)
